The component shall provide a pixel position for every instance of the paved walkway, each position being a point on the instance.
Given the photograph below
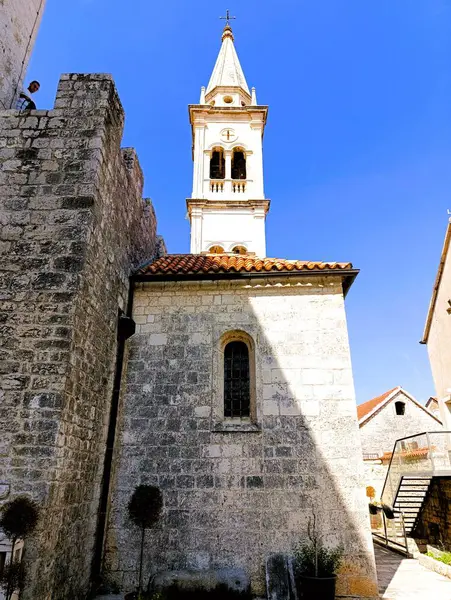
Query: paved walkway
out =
(405, 579)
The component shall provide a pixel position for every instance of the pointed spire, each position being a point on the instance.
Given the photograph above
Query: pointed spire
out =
(227, 71)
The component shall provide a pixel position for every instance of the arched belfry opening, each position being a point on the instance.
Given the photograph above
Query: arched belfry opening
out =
(216, 250)
(217, 164)
(238, 164)
(239, 250)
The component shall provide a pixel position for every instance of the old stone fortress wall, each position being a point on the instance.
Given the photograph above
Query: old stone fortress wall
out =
(74, 225)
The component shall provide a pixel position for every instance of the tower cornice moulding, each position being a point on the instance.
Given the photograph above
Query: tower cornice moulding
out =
(200, 203)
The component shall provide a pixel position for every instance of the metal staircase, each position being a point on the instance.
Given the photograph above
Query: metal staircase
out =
(414, 463)
(409, 498)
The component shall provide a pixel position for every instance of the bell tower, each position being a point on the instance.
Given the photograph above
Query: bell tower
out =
(227, 208)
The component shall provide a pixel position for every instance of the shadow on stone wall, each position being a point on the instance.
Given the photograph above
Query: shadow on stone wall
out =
(232, 498)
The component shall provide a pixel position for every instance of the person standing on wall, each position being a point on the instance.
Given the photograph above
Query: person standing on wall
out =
(24, 102)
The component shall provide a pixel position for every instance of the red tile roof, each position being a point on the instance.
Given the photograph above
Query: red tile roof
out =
(187, 264)
(367, 407)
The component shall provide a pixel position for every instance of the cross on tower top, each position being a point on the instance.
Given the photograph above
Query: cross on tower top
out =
(227, 18)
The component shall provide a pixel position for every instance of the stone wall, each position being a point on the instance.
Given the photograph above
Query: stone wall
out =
(19, 24)
(435, 517)
(380, 432)
(73, 226)
(232, 497)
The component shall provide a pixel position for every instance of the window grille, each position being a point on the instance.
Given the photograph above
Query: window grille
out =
(236, 380)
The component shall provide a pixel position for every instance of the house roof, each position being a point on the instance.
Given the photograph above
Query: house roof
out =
(238, 263)
(368, 409)
(437, 282)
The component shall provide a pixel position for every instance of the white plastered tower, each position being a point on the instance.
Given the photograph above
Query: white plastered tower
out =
(227, 208)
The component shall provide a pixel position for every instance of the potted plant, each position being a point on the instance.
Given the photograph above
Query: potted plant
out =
(316, 566)
(373, 508)
(388, 511)
(144, 511)
(18, 519)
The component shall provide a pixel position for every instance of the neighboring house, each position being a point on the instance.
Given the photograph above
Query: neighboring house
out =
(437, 332)
(389, 417)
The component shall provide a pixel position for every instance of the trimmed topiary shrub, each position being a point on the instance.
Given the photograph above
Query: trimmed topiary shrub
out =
(18, 519)
(144, 510)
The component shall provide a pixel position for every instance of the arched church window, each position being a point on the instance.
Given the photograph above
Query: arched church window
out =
(216, 250)
(400, 408)
(237, 384)
(239, 250)
(217, 164)
(238, 164)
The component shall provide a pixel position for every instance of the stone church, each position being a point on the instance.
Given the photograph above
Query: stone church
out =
(234, 395)
(238, 399)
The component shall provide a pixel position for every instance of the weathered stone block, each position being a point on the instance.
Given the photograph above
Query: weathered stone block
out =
(235, 579)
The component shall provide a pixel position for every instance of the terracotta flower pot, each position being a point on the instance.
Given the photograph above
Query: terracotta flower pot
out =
(316, 588)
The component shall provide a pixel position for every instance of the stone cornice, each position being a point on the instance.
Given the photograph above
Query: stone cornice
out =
(203, 110)
(199, 203)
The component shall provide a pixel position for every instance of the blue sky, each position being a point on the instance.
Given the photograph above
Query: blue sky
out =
(357, 146)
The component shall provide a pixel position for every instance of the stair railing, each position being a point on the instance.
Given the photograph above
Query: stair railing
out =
(409, 454)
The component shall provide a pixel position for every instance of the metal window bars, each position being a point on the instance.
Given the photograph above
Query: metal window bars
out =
(236, 380)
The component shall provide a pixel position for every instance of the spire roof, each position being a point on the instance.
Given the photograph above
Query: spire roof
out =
(227, 71)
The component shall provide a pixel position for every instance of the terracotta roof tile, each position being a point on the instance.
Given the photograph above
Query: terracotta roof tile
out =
(365, 408)
(187, 264)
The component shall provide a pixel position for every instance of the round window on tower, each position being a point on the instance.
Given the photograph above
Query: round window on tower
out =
(228, 99)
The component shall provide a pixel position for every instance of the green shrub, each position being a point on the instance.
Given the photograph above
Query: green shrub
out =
(12, 578)
(445, 557)
(144, 509)
(19, 517)
(317, 561)
(313, 558)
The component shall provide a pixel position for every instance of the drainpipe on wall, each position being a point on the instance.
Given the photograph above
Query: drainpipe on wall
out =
(125, 329)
